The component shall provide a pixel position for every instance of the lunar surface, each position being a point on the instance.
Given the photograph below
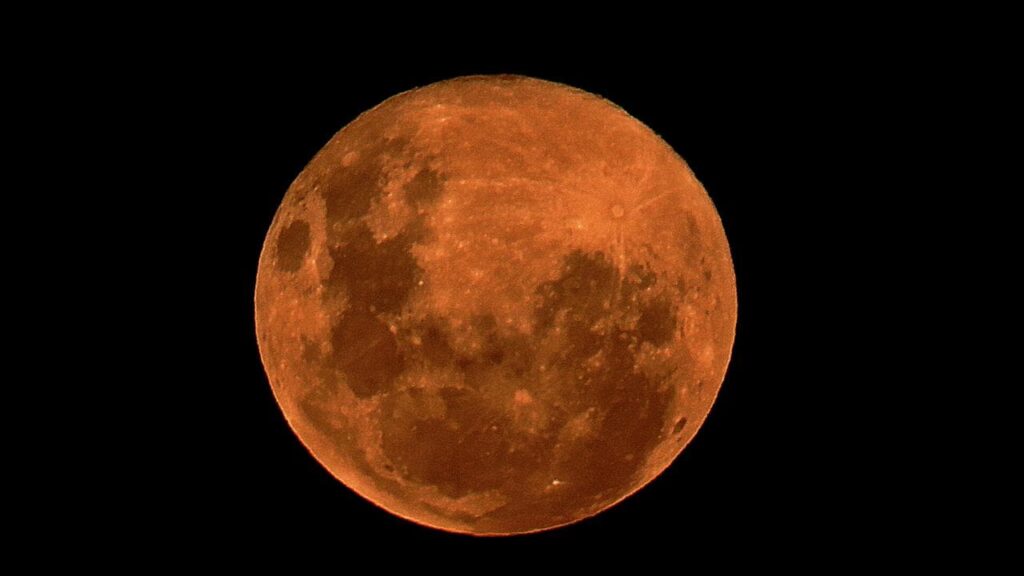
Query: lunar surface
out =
(495, 305)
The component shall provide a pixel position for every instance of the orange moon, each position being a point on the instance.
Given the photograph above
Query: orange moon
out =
(495, 305)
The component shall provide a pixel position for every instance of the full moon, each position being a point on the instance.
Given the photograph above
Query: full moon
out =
(495, 305)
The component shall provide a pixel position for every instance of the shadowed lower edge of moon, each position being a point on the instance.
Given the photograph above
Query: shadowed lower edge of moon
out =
(507, 434)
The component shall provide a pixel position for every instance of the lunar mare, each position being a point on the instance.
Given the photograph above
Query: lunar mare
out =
(495, 305)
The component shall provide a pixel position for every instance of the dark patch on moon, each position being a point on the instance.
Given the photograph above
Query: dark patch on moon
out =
(493, 351)
(375, 276)
(499, 355)
(435, 349)
(640, 278)
(630, 410)
(694, 248)
(365, 351)
(475, 446)
(657, 323)
(425, 187)
(579, 298)
(705, 268)
(316, 406)
(634, 412)
(459, 454)
(680, 424)
(310, 351)
(292, 246)
(518, 354)
(349, 190)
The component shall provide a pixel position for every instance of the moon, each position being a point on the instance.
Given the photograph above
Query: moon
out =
(495, 305)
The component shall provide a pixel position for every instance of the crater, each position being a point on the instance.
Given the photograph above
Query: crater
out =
(680, 424)
(292, 246)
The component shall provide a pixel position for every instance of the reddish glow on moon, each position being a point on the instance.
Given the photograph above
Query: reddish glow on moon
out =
(495, 305)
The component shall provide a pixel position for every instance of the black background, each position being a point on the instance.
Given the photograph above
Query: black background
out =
(156, 148)
(772, 466)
